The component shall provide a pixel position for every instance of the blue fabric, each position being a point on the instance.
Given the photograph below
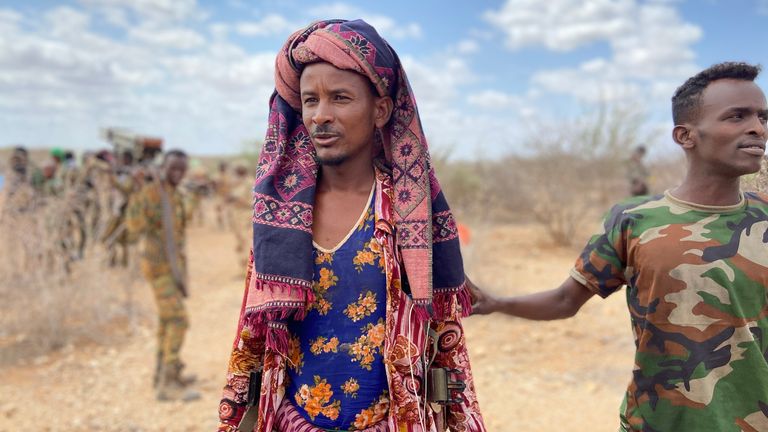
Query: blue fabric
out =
(343, 309)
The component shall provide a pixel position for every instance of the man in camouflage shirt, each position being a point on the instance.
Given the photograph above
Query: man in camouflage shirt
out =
(695, 264)
(157, 213)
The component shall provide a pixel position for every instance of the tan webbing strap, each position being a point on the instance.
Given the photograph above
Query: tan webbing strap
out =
(170, 241)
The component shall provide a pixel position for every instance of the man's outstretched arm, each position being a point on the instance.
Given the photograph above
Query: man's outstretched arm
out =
(558, 303)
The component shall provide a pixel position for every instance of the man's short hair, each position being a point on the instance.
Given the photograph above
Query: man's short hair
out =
(687, 98)
(174, 152)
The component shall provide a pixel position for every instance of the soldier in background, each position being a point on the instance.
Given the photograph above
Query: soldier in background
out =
(122, 187)
(222, 183)
(157, 214)
(24, 182)
(197, 186)
(637, 173)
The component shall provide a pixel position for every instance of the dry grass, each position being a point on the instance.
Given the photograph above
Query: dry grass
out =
(51, 299)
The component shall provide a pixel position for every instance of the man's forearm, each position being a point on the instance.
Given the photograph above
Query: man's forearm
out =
(545, 305)
(561, 302)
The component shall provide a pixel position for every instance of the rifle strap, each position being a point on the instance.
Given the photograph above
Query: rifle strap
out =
(171, 251)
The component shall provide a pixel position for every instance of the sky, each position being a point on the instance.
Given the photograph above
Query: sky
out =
(199, 73)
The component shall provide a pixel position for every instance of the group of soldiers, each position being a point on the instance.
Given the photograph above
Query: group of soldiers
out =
(91, 198)
(110, 202)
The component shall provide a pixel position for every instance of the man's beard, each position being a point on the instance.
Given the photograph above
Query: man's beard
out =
(332, 161)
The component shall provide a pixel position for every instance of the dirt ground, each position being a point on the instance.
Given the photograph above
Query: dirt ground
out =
(530, 377)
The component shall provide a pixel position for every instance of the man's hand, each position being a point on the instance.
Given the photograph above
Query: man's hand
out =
(482, 302)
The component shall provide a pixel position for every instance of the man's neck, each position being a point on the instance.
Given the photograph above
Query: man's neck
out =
(709, 190)
(347, 177)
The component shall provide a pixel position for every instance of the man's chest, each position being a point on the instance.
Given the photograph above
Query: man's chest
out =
(335, 216)
(709, 267)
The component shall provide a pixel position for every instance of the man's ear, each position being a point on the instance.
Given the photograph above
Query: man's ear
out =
(383, 108)
(684, 136)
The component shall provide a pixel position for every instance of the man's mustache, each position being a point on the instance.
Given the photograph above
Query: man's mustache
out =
(323, 129)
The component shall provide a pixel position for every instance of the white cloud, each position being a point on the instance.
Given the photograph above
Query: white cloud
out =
(436, 82)
(64, 21)
(62, 80)
(271, 24)
(494, 99)
(467, 46)
(386, 26)
(168, 37)
(651, 46)
(161, 11)
(561, 25)
(10, 16)
(219, 31)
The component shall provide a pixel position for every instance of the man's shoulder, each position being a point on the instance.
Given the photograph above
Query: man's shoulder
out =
(637, 204)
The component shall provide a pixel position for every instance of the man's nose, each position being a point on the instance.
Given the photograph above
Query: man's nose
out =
(758, 126)
(323, 113)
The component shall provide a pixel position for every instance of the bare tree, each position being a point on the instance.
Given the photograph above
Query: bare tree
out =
(576, 169)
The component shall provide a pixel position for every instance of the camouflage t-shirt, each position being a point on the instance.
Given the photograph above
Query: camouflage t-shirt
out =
(696, 280)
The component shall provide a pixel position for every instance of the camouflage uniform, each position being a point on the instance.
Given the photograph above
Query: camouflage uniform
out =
(696, 281)
(145, 217)
(114, 235)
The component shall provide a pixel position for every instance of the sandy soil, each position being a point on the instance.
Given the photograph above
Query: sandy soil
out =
(554, 376)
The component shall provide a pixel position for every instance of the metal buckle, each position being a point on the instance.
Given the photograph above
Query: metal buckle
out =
(441, 385)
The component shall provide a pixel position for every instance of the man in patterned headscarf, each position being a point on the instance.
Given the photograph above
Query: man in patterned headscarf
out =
(356, 288)
(694, 263)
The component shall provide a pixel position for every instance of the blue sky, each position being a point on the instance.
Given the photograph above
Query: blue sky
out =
(199, 73)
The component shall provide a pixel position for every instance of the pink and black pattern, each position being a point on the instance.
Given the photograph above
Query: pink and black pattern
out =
(282, 214)
(444, 227)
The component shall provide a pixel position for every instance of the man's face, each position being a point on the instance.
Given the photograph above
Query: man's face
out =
(340, 113)
(19, 162)
(730, 133)
(175, 168)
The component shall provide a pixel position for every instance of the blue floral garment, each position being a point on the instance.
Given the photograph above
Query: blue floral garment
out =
(336, 371)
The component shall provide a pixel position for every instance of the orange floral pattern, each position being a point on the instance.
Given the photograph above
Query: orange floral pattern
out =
(350, 387)
(369, 344)
(316, 399)
(367, 221)
(326, 280)
(373, 414)
(323, 345)
(295, 355)
(363, 307)
(324, 257)
(370, 254)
